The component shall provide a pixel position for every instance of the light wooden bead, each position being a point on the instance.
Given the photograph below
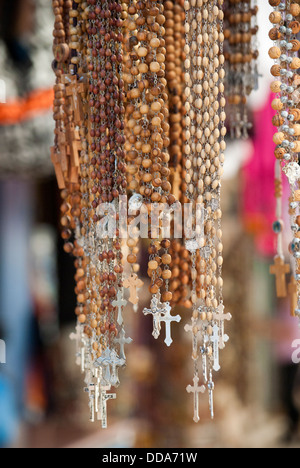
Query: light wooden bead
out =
(275, 17)
(278, 138)
(153, 265)
(277, 104)
(295, 9)
(274, 52)
(275, 86)
(295, 63)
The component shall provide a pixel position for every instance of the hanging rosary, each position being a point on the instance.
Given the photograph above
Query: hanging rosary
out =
(241, 53)
(140, 131)
(284, 32)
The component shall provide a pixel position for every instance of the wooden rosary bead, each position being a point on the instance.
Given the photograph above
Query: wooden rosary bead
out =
(295, 9)
(275, 70)
(274, 3)
(278, 138)
(275, 17)
(274, 34)
(277, 120)
(296, 44)
(295, 27)
(295, 63)
(277, 104)
(275, 87)
(274, 52)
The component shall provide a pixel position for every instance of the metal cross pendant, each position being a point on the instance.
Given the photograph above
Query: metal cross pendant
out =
(220, 317)
(211, 387)
(77, 338)
(122, 341)
(120, 302)
(215, 342)
(102, 415)
(156, 310)
(111, 360)
(203, 350)
(195, 389)
(104, 362)
(195, 330)
(168, 319)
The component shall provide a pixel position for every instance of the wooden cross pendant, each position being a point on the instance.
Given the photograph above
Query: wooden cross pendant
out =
(280, 270)
(74, 145)
(293, 292)
(62, 145)
(132, 283)
(58, 169)
(196, 390)
(75, 90)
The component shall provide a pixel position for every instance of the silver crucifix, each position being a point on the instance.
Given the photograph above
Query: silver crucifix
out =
(104, 397)
(120, 302)
(168, 319)
(122, 341)
(77, 338)
(195, 389)
(195, 330)
(156, 309)
(211, 387)
(220, 317)
(215, 342)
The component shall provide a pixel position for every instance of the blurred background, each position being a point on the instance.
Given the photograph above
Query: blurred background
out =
(42, 403)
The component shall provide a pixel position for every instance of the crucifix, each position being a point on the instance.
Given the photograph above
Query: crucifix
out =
(215, 342)
(77, 337)
(195, 389)
(91, 390)
(168, 319)
(104, 362)
(195, 330)
(115, 362)
(220, 317)
(280, 270)
(74, 145)
(132, 283)
(120, 302)
(156, 310)
(104, 397)
(293, 292)
(58, 169)
(211, 387)
(111, 360)
(75, 90)
(62, 145)
(122, 342)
